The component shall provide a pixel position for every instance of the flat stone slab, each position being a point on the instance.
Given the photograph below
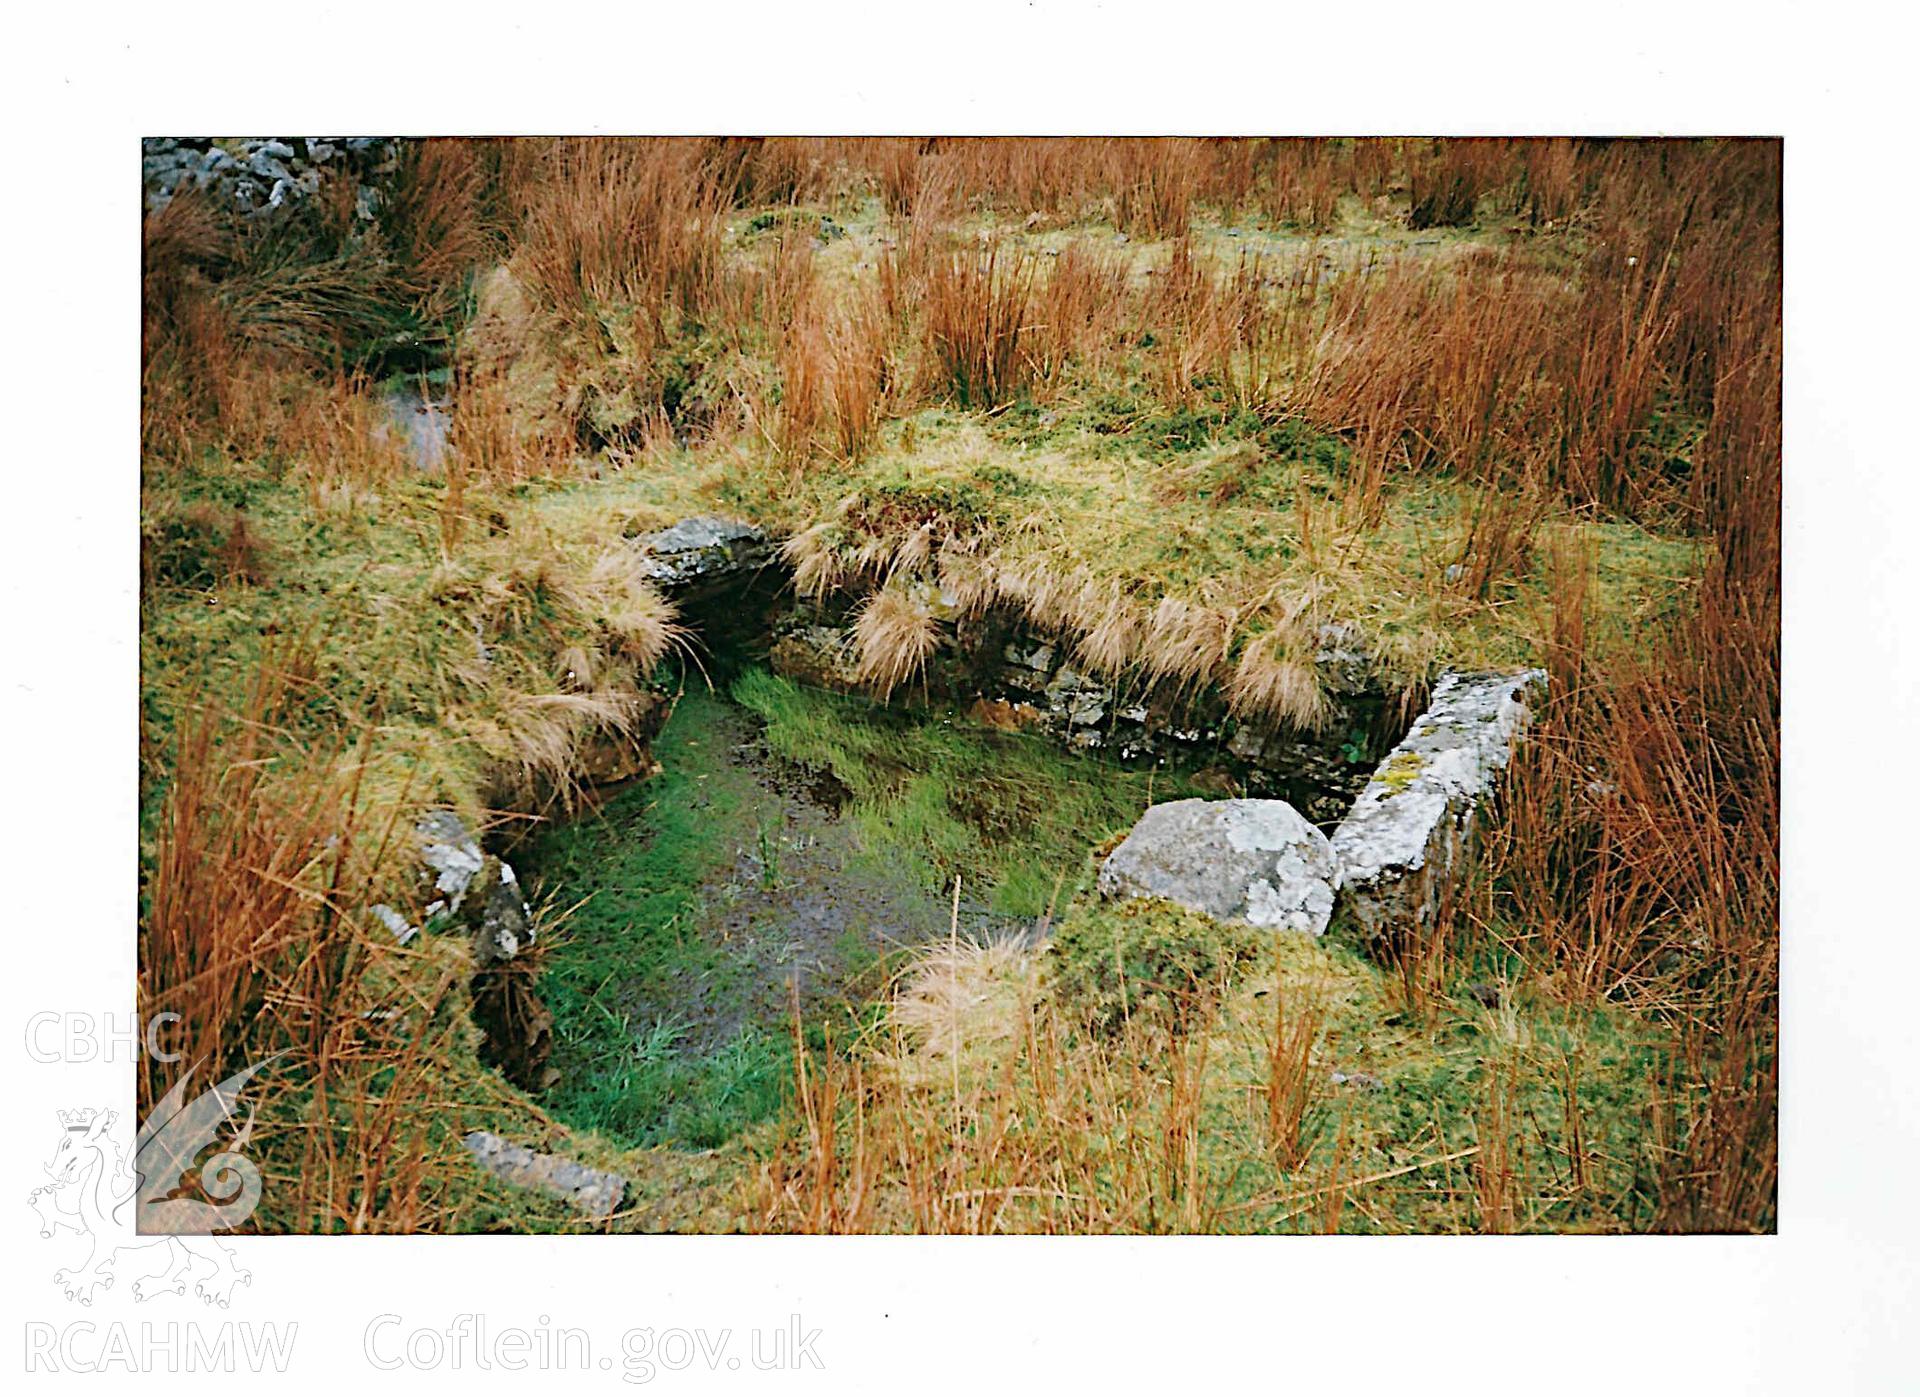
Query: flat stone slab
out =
(1254, 861)
(595, 1192)
(1408, 835)
(704, 549)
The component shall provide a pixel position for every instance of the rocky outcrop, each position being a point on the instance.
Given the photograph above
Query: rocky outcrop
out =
(595, 1192)
(704, 549)
(1254, 861)
(1407, 838)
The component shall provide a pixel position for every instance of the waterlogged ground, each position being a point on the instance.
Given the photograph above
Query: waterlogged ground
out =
(795, 846)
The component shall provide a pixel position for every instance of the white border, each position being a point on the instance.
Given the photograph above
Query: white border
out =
(1821, 1307)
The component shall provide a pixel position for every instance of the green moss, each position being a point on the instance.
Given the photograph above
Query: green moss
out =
(1114, 963)
(1010, 814)
(636, 940)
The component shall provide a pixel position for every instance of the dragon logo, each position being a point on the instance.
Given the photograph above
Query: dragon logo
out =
(91, 1184)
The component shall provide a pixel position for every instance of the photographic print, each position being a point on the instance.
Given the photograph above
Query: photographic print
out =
(952, 685)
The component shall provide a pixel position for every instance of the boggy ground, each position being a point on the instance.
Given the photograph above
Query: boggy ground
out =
(795, 849)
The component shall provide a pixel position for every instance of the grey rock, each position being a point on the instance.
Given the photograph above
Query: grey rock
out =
(1409, 834)
(402, 929)
(703, 549)
(1080, 701)
(263, 165)
(1365, 1081)
(479, 888)
(270, 174)
(595, 1192)
(504, 926)
(1342, 659)
(1246, 744)
(1254, 861)
(1036, 657)
(450, 853)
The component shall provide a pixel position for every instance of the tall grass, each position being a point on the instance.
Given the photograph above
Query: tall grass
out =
(1033, 1126)
(254, 935)
(837, 372)
(1446, 179)
(977, 309)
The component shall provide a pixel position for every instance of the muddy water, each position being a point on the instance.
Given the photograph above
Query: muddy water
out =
(422, 421)
(693, 912)
(798, 907)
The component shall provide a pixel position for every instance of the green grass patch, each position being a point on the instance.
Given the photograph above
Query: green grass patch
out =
(1010, 814)
(637, 940)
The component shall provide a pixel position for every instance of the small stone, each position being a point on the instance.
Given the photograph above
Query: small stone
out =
(1365, 1081)
(595, 1192)
(403, 930)
(450, 853)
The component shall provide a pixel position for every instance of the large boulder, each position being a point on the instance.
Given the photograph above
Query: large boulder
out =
(1254, 861)
(704, 549)
(1407, 838)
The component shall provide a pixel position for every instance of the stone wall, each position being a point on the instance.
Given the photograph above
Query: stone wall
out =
(1010, 675)
(255, 177)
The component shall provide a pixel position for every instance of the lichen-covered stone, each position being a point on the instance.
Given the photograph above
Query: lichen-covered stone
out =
(595, 1192)
(1254, 861)
(704, 549)
(1407, 837)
